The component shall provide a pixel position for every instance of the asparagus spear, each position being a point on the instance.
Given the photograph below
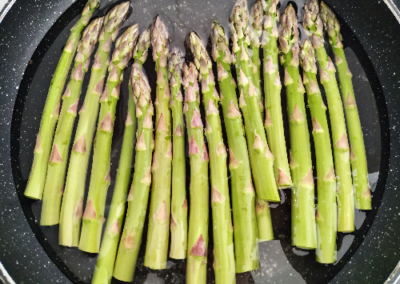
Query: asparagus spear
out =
(93, 216)
(341, 150)
(224, 261)
(303, 207)
(273, 108)
(255, 31)
(109, 245)
(57, 165)
(243, 195)
(358, 158)
(131, 239)
(71, 209)
(260, 156)
(196, 267)
(37, 177)
(326, 215)
(158, 229)
(178, 212)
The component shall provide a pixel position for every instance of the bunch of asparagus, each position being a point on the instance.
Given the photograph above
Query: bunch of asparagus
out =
(357, 149)
(37, 177)
(93, 216)
(313, 24)
(224, 264)
(243, 199)
(303, 216)
(257, 150)
(57, 165)
(326, 185)
(72, 204)
(108, 250)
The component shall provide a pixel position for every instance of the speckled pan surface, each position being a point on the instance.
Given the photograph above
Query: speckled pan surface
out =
(31, 38)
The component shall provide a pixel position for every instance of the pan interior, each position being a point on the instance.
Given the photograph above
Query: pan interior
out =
(280, 262)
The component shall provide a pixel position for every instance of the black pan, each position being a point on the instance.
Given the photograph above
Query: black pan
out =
(32, 35)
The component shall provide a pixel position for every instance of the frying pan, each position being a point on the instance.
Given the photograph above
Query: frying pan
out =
(32, 35)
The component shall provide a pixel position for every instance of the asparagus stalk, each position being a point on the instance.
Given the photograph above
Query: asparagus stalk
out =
(273, 106)
(196, 267)
(109, 245)
(178, 212)
(37, 177)
(93, 216)
(264, 222)
(326, 214)
(131, 238)
(57, 165)
(243, 195)
(158, 229)
(71, 209)
(358, 157)
(261, 158)
(224, 261)
(303, 207)
(341, 150)
(255, 31)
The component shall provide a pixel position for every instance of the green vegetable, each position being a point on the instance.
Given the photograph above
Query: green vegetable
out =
(224, 261)
(158, 230)
(37, 177)
(109, 245)
(196, 266)
(303, 207)
(341, 150)
(357, 157)
(255, 30)
(273, 105)
(138, 197)
(93, 217)
(326, 215)
(178, 212)
(72, 204)
(261, 158)
(243, 195)
(57, 166)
